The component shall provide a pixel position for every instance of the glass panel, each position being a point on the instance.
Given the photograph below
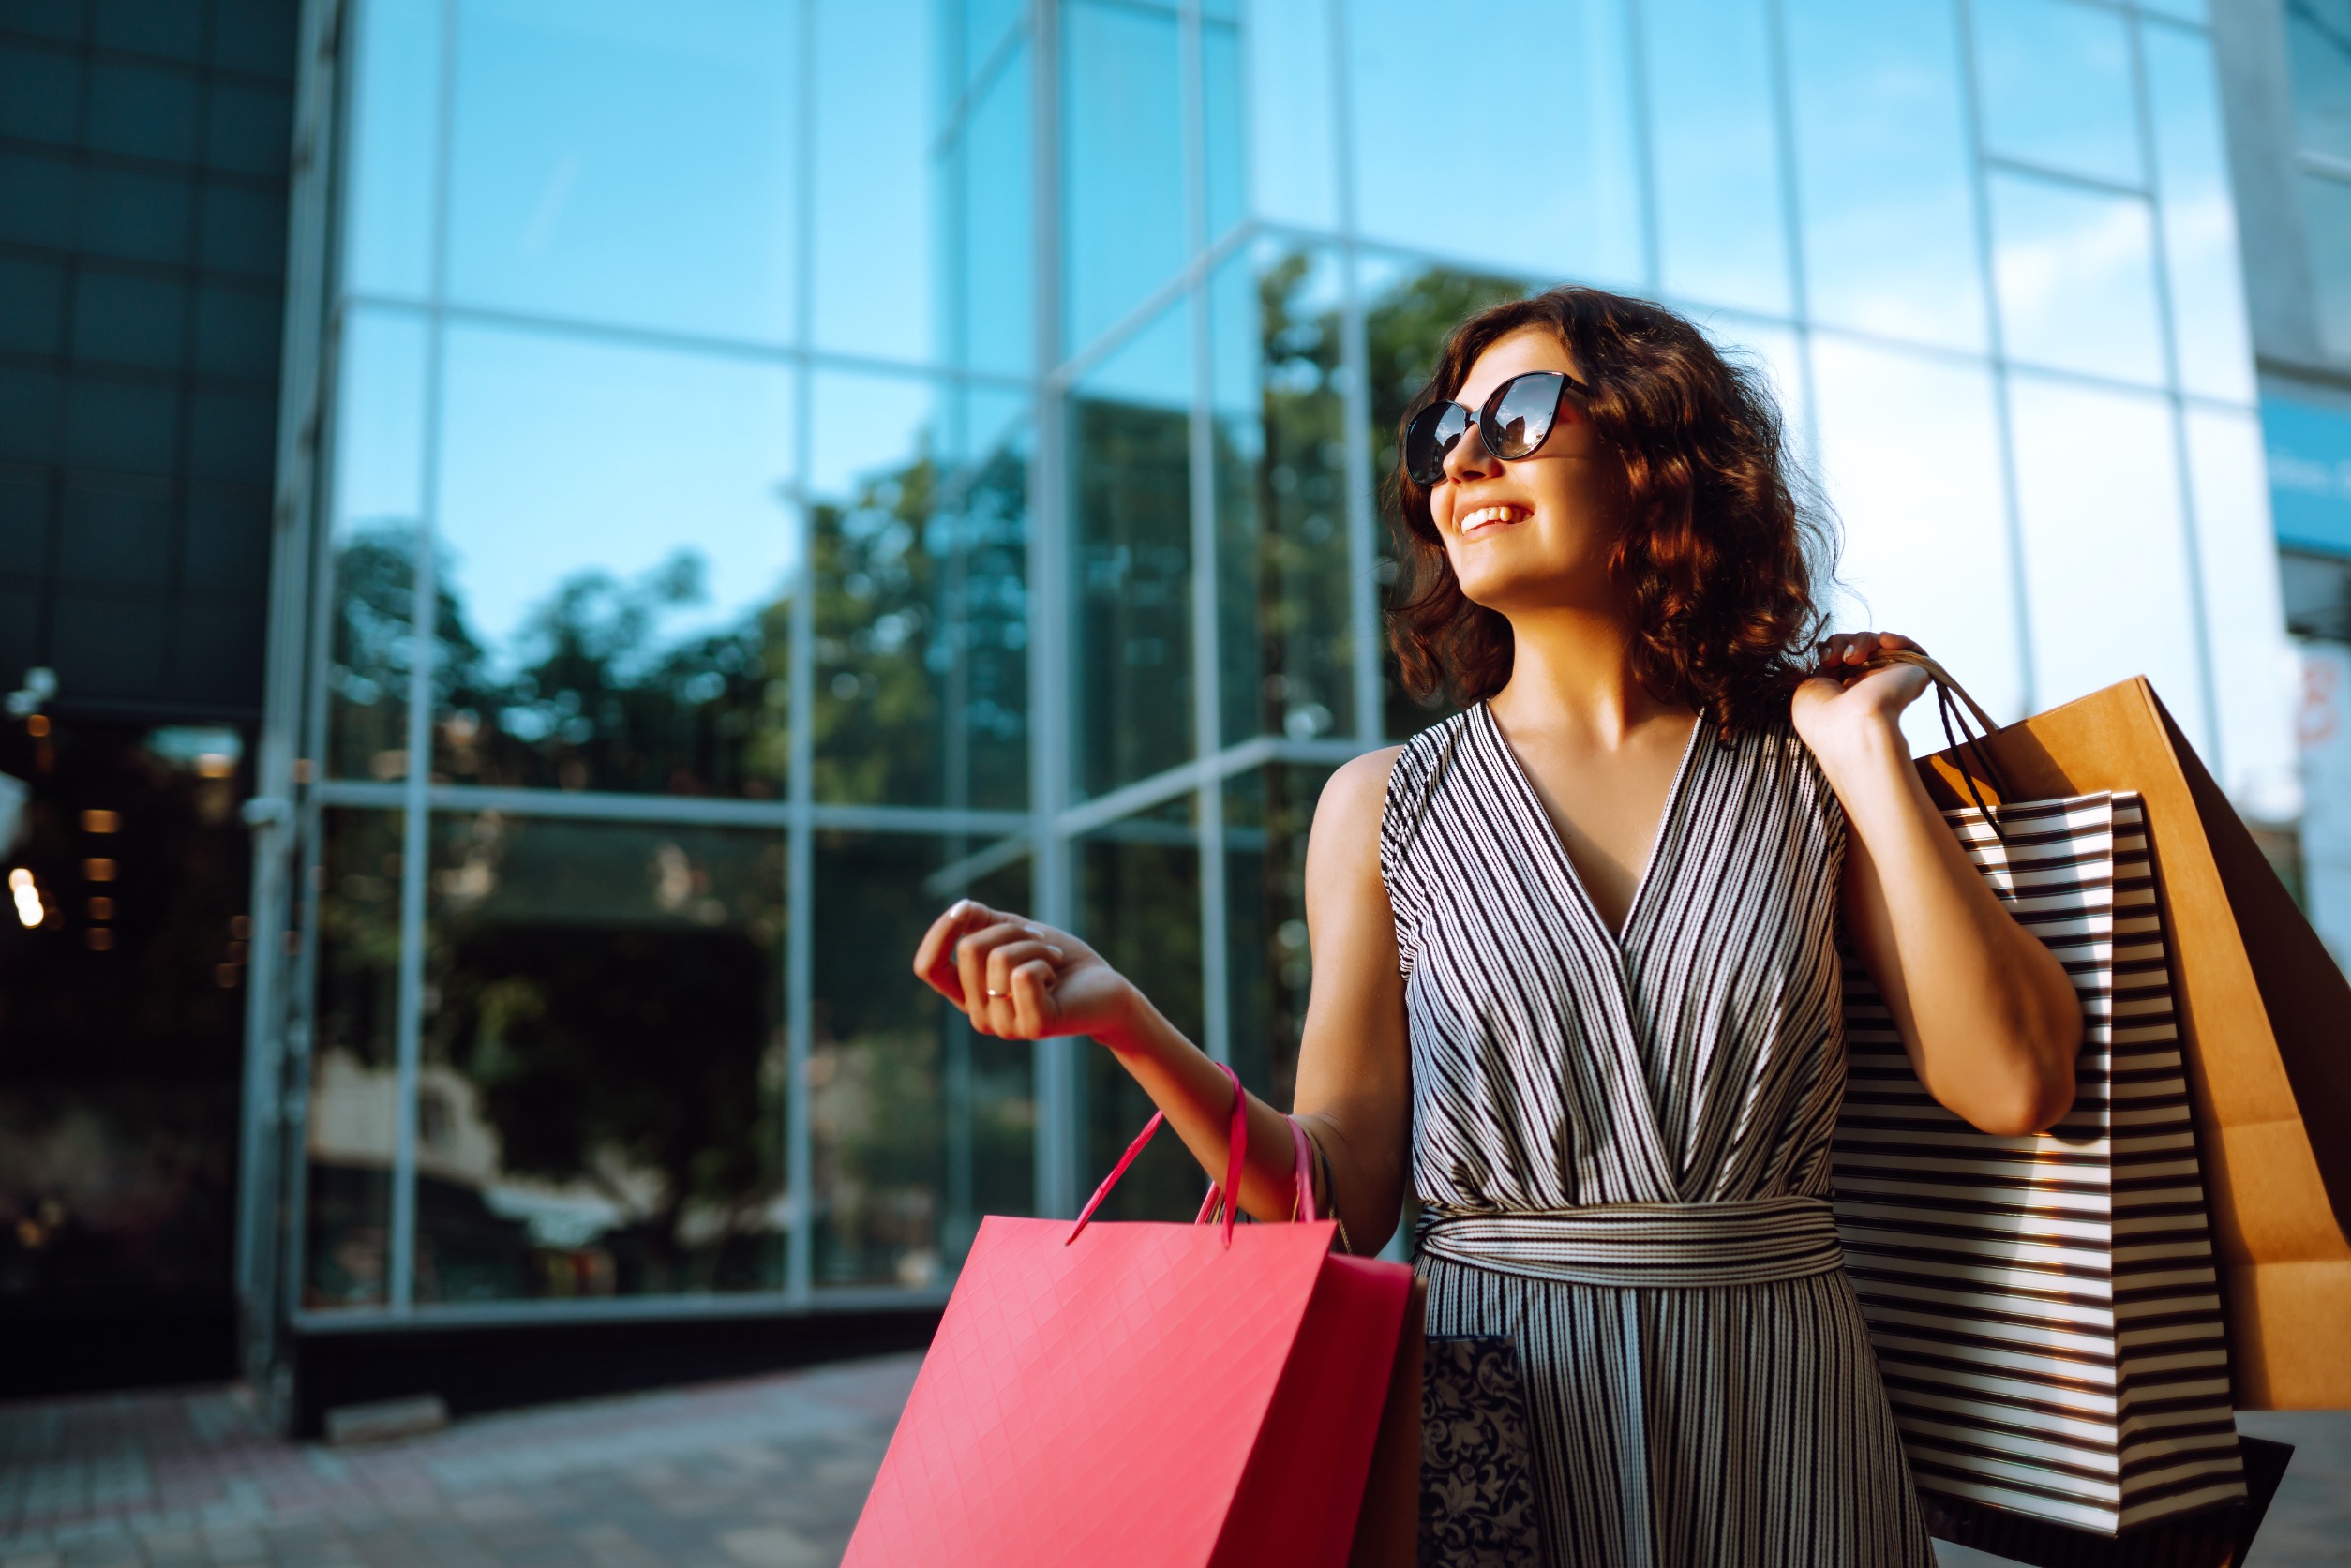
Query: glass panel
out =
(919, 499)
(618, 544)
(993, 207)
(2199, 216)
(917, 1125)
(1722, 232)
(2106, 563)
(627, 163)
(1883, 170)
(2318, 50)
(354, 1101)
(1550, 192)
(2075, 271)
(1221, 116)
(1123, 162)
(1292, 117)
(2326, 217)
(1927, 560)
(379, 508)
(2055, 80)
(395, 117)
(1286, 650)
(1268, 815)
(2243, 610)
(1130, 446)
(872, 248)
(1139, 902)
(2310, 474)
(1406, 316)
(599, 1108)
(2186, 10)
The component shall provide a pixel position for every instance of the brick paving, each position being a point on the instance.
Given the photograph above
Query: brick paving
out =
(765, 1472)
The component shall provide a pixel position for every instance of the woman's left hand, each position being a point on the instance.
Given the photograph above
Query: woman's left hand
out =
(1843, 697)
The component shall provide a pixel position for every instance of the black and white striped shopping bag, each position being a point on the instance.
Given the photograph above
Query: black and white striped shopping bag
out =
(2045, 1308)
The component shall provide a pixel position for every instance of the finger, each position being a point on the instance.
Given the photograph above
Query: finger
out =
(935, 956)
(1003, 960)
(971, 965)
(1896, 640)
(1033, 1003)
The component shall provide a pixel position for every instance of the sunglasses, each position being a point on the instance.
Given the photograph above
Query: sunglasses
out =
(1516, 421)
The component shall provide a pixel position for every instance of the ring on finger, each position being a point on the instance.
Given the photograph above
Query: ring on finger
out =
(999, 994)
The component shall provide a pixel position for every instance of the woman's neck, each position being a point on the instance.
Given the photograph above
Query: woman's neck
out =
(1571, 670)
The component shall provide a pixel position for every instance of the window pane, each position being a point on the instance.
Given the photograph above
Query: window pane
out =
(1131, 447)
(1293, 118)
(2318, 50)
(1910, 459)
(2056, 83)
(919, 511)
(2186, 10)
(2310, 474)
(2208, 291)
(993, 218)
(2075, 271)
(395, 109)
(1882, 169)
(378, 504)
(1268, 815)
(353, 1102)
(1139, 902)
(617, 546)
(599, 1108)
(2327, 216)
(1286, 645)
(917, 1125)
(1721, 225)
(1543, 182)
(2237, 559)
(1220, 131)
(1123, 162)
(875, 194)
(2106, 559)
(627, 163)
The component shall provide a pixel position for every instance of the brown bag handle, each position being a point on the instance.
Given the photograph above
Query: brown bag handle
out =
(1965, 742)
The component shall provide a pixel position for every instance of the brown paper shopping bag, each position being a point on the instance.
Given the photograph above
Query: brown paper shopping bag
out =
(2264, 1021)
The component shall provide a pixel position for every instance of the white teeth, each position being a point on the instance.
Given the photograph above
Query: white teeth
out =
(1485, 515)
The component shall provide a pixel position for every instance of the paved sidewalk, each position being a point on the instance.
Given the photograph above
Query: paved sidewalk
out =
(766, 1472)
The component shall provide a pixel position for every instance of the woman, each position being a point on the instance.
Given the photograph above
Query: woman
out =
(1576, 949)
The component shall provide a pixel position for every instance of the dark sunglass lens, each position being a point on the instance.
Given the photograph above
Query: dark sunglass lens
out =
(1430, 437)
(1521, 416)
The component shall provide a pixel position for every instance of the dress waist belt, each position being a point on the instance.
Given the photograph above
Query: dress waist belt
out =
(1669, 1244)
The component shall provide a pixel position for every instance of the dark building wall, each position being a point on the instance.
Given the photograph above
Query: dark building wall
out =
(143, 162)
(144, 151)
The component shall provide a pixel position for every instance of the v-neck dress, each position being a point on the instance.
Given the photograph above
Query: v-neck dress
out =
(1621, 1149)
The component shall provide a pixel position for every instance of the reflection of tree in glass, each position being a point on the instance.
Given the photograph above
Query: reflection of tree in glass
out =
(370, 662)
(921, 631)
(1404, 330)
(1133, 518)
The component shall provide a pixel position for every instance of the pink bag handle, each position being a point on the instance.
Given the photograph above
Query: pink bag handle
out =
(1238, 1147)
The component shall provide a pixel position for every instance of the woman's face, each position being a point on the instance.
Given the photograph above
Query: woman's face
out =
(1533, 533)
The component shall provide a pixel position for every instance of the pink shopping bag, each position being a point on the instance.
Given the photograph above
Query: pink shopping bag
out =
(1144, 1394)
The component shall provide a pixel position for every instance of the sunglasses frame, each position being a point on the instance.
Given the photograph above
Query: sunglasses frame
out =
(1489, 424)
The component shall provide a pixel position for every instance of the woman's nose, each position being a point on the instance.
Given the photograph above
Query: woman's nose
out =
(1469, 458)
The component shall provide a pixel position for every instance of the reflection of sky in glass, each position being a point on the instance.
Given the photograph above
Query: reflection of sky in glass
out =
(1889, 230)
(2322, 73)
(2055, 84)
(560, 457)
(2075, 271)
(2186, 10)
(1152, 369)
(1123, 159)
(380, 421)
(2106, 559)
(2251, 662)
(875, 258)
(627, 163)
(998, 322)
(2327, 221)
(864, 428)
(1910, 453)
(1292, 121)
(2207, 294)
(1220, 128)
(1721, 233)
(388, 222)
(1499, 135)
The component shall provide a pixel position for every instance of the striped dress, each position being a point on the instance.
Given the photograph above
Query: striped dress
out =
(1621, 1147)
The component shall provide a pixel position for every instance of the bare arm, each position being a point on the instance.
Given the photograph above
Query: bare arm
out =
(1989, 1019)
(1019, 980)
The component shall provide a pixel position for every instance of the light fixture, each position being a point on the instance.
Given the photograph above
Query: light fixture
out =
(28, 898)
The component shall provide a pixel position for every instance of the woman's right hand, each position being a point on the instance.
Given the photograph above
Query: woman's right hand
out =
(1019, 980)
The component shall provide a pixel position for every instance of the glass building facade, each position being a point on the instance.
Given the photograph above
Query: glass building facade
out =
(772, 469)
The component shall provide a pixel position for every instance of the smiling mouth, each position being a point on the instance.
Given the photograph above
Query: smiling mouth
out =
(1492, 516)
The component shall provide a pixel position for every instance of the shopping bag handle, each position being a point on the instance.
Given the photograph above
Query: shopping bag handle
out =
(1237, 1151)
(1969, 743)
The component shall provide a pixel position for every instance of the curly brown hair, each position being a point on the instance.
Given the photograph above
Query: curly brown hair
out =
(1724, 541)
